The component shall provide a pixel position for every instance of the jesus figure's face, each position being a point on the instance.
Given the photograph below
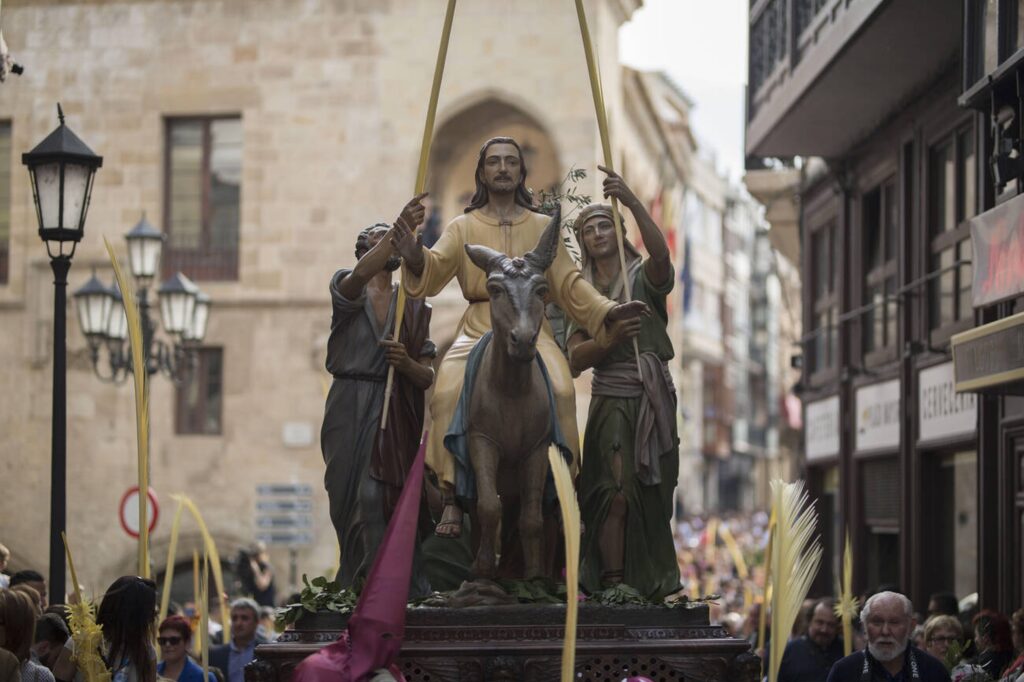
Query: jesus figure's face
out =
(503, 169)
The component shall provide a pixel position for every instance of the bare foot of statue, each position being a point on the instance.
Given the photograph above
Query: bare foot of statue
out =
(450, 525)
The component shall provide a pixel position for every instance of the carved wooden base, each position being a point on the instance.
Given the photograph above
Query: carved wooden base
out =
(524, 643)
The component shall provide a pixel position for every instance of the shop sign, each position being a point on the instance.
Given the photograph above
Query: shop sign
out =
(991, 355)
(942, 412)
(878, 416)
(822, 432)
(997, 238)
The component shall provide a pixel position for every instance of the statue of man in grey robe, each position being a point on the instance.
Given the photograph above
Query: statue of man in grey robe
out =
(366, 467)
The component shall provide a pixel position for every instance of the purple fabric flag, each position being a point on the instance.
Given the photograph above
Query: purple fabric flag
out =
(376, 628)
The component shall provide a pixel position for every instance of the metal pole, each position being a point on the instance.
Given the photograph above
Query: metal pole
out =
(58, 457)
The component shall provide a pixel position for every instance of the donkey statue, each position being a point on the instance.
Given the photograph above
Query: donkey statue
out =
(509, 432)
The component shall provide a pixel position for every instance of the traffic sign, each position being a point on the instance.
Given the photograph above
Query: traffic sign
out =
(128, 511)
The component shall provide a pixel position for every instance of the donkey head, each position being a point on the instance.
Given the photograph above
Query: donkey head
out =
(517, 287)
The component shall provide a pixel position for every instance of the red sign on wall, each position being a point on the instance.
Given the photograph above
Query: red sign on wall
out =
(997, 236)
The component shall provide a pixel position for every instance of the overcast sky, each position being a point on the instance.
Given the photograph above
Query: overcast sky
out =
(702, 45)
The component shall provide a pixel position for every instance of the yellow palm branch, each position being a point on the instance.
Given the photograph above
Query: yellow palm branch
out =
(141, 376)
(847, 605)
(796, 555)
(85, 631)
(571, 527)
(210, 550)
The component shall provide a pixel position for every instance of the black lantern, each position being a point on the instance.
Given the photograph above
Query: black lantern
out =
(144, 245)
(61, 168)
(94, 302)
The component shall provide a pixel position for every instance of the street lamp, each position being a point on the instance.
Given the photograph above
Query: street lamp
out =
(184, 311)
(61, 169)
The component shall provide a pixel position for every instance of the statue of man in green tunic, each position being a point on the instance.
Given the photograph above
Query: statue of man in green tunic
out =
(631, 445)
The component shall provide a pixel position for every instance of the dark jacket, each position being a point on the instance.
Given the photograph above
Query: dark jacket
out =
(220, 655)
(851, 668)
(805, 661)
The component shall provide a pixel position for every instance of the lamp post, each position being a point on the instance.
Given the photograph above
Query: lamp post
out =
(184, 312)
(61, 169)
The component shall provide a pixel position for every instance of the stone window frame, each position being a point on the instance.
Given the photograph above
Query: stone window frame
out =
(199, 401)
(203, 263)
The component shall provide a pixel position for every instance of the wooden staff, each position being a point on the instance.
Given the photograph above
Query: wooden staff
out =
(606, 146)
(421, 181)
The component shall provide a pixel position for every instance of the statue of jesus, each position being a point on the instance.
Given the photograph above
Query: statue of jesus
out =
(501, 215)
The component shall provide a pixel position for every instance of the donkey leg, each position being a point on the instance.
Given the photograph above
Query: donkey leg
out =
(531, 520)
(484, 458)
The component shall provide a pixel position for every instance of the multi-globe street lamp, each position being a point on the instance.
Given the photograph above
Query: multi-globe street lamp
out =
(184, 311)
(61, 169)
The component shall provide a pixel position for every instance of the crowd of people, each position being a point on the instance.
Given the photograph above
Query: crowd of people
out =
(891, 640)
(36, 643)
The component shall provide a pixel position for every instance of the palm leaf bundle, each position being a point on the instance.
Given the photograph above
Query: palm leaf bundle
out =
(796, 555)
(141, 377)
(85, 631)
(847, 605)
(571, 527)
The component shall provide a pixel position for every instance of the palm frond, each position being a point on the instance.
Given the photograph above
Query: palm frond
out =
(571, 527)
(172, 553)
(795, 559)
(141, 377)
(209, 549)
(847, 605)
(86, 633)
(204, 619)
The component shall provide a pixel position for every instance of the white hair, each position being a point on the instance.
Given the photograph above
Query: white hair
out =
(908, 608)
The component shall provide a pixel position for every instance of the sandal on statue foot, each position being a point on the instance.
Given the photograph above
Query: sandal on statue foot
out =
(449, 527)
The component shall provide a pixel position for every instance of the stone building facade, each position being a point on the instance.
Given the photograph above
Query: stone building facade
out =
(304, 121)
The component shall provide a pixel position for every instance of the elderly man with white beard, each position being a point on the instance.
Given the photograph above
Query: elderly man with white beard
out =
(888, 621)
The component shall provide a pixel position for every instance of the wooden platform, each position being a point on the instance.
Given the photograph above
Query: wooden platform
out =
(524, 643)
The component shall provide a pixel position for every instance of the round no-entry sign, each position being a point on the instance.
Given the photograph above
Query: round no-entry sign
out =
(128, 512)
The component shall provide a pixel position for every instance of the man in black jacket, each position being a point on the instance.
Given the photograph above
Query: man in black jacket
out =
(888, 621)
(810, 657)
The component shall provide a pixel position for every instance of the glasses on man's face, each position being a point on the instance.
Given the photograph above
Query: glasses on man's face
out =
(168, 641)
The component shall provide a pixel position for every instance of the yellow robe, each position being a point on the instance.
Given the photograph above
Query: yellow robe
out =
(577, 297)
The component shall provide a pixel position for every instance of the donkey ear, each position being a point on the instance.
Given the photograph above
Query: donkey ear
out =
(547, 246)
(483, 257)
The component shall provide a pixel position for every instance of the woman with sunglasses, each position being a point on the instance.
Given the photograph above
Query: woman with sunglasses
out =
(174, 639)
